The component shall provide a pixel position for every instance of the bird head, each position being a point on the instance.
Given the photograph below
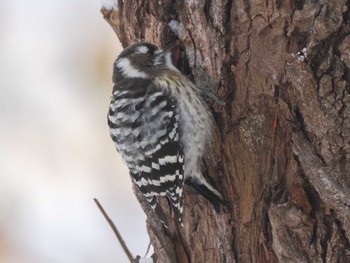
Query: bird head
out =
(143, 60)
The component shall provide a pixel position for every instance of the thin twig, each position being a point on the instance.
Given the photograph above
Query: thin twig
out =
(148, 248)
(115, 230)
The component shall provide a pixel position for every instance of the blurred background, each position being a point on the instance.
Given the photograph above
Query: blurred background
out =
(55, 151)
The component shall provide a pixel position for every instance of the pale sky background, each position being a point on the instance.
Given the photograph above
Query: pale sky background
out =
(55, 151)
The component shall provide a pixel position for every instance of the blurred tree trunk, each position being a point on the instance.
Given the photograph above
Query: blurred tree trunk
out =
(283, 154)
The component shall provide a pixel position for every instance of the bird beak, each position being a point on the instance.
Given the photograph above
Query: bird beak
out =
(169, 48)
(165, 56)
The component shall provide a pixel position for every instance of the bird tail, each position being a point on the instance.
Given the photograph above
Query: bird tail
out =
(152, 200)
(207, 191)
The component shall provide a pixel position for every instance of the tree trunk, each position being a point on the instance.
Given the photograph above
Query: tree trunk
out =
(282, 158)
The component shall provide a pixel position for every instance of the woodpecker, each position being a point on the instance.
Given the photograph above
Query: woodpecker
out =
(161, 126)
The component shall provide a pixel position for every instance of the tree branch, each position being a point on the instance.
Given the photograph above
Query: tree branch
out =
(115, 230)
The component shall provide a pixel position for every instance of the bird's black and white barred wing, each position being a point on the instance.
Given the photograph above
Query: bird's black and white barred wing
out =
(161, 173)
(145, 130)
(163, 178)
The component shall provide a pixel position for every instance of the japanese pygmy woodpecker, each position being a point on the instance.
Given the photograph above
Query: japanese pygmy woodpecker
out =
(161, 126)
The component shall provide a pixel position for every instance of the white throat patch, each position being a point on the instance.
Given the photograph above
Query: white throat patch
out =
(128, 70)
(169, 62)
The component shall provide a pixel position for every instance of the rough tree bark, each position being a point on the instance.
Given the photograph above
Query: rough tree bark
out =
(282, 158)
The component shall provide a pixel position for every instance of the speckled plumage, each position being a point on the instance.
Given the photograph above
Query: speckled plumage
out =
(160, 124)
